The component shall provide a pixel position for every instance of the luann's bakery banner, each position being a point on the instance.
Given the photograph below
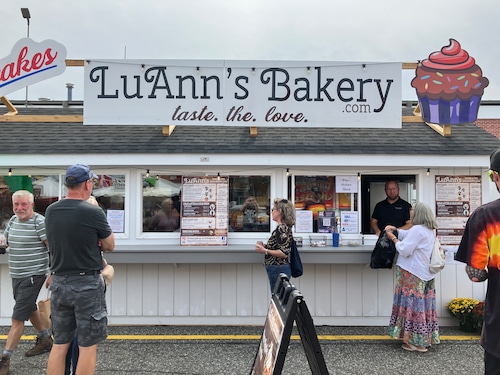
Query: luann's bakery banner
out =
(242, 93)
(449, 86)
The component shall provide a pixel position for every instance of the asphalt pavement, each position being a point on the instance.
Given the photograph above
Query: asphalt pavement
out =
(221, 350)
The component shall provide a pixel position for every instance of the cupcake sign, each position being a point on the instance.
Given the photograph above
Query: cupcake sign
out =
(449, 86)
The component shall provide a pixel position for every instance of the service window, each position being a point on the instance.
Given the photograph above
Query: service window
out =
(373, 191)
(45, 189)
(249, 203)
(161, 206)
(109, 191)
(319, 194)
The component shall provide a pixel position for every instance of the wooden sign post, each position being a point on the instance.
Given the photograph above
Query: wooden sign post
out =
(287, 306)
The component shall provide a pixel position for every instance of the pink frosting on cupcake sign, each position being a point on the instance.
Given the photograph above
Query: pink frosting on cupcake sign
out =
(449, 86)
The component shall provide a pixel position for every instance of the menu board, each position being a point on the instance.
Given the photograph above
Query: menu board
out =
(204, 211)
(456, 198)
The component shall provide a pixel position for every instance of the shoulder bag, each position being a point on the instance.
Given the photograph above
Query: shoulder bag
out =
(295, 262)
(437, 258)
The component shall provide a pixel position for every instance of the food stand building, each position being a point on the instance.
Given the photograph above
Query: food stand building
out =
(247, 132)
(159, 281)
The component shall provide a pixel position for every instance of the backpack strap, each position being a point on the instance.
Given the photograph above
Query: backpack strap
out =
(7, 228)
(9, 224)
(36, 225)
(34, 220)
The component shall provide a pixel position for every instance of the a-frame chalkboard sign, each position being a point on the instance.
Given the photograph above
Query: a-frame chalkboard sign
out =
(287, 306)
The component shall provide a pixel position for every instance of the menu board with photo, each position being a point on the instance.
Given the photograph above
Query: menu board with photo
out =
(204, 211)
(456, 198)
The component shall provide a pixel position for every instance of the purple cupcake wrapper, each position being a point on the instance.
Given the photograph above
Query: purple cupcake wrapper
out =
(458, 111)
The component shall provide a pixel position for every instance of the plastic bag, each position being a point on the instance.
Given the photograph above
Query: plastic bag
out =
(384, 252)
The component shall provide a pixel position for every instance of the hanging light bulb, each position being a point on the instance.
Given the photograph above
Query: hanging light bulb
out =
(10, 171)
(428, 171)
(218, 176)
(288, 172)
(147, 172)
(359, 176)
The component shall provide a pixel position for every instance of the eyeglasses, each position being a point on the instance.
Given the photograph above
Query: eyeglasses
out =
(491, 173)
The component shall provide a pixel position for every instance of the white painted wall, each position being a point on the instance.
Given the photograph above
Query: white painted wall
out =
(338, 287)
(226, 294)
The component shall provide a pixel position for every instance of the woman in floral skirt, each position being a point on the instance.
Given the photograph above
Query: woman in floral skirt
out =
(414, 316)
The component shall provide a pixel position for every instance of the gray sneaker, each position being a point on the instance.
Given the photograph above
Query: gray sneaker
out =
(4, 365)
(42, 345)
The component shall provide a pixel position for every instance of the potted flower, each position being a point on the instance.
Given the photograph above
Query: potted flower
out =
(478, 316)
(463, 309)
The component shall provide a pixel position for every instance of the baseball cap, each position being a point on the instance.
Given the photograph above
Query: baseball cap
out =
(495, 161)
(78, 173)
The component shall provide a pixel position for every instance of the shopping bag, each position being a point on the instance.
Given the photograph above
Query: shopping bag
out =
(44, 310)
(108, 272)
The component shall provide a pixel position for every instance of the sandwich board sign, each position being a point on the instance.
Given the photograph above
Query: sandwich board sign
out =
(287, 306)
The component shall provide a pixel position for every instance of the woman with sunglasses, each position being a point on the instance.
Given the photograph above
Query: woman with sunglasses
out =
(277, 249)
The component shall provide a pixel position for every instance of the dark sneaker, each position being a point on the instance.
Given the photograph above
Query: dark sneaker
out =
(4, 365)
(42, 345)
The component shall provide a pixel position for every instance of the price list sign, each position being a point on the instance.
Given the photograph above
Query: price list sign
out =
(456, 198)
(204, 211)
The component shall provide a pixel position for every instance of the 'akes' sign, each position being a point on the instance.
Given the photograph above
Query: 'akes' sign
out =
(31, 62)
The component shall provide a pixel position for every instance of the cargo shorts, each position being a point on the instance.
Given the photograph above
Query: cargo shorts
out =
(78, 306)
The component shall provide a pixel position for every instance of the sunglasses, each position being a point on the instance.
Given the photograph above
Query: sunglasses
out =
(285, 201)
(491, 173)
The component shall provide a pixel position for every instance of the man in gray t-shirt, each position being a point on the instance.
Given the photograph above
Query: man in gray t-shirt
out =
(28, 266)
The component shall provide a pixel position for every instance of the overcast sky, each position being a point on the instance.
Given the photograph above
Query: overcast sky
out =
(313, 30)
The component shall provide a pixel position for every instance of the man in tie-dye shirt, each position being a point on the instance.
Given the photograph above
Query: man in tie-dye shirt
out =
(480, 250)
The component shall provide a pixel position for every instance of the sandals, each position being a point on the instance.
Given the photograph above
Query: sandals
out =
(413, 348)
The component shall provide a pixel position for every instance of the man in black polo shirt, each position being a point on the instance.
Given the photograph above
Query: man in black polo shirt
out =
(391, 211)
(79, 232)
